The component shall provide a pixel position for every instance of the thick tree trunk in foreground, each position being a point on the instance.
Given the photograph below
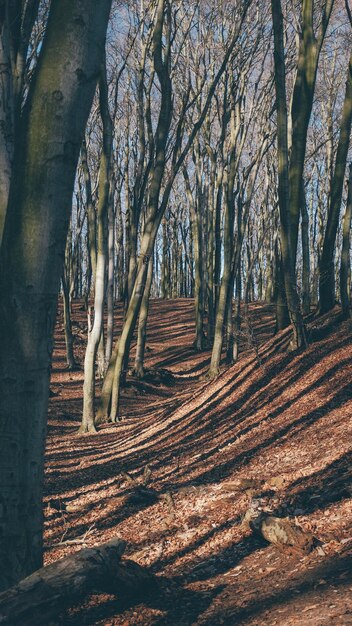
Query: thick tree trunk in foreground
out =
(32, 253)
(42, 596)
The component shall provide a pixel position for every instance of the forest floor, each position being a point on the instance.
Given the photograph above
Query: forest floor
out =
(277, 416)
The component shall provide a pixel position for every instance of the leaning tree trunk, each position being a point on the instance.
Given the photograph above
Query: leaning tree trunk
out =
(111, 394)
(345, 267)
(124, 343)
(302, 103)
(138, 369)
(32, 252)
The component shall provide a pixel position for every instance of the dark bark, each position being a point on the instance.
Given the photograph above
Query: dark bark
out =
(41, 597)
(284, 187)
(46, 155)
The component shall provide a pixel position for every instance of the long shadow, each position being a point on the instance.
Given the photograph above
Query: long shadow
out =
(223, 470)
(182, 606)
(327, 486)
(307, 583)
(157, 457)
(111, 517)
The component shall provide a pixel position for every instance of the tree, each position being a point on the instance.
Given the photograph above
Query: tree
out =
(310, 45)
(327, 266)
(345, 266)
(284, 187)
(95, 333)
(47, 142)
(159, 186)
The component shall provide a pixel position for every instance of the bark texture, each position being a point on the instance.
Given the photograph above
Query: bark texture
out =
(32, 254)
(42, 596)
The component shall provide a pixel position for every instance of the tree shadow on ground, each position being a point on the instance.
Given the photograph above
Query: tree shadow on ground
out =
(330, 570)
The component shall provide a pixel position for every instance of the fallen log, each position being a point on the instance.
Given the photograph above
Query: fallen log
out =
(47, 592)
(282, 532)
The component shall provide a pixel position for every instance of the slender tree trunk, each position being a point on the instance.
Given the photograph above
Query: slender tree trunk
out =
(223, 303)
(91, 215)
(196, 227)
(120, 254)
(327, 265)
(65, 280)
(237, 319)
(124, 343)
(217, 255)
(305, 257)
(299, 339)
(230, 324)
(69, 339)
(138, 369)
(302, 103)
(110, 283)
(345, 267)
(94, 336)
(165, 274)
(281, 310)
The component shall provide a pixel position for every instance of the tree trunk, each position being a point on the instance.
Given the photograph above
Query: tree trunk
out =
(237, 319)
(327, 265)
(6, 115)
(41, 597)
(345, 267)
(302, 103)
(223, 303)
(124, 343)
(69, 340)
(138, 369)
(32, 252)
(299, 338)
(110, 283)
(305, 257)
(281, 311)
(95, 335)
(196, 228)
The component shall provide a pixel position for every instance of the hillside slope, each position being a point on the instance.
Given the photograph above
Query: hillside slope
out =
(278, 417)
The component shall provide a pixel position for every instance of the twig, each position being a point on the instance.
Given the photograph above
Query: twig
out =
(77, 541)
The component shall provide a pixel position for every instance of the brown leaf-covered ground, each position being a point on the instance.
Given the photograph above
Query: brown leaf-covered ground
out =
(283, 418)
